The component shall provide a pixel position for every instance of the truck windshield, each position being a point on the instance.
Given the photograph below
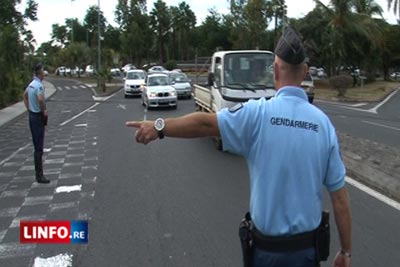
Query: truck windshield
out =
(251, 71)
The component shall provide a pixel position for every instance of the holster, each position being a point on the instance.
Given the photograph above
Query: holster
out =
(323, 238)
(246, 240)
(45, 119)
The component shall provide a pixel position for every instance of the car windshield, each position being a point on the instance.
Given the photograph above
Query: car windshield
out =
(179, 78)
(253, 71)
(135, 76)
(158, 80)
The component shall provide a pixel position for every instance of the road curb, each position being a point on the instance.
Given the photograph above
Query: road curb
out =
(372, 177)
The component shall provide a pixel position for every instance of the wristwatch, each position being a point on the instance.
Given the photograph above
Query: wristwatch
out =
(159, 125)
(345, 253)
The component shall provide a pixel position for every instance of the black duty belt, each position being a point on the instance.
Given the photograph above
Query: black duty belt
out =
(35, 113)
(283, 243)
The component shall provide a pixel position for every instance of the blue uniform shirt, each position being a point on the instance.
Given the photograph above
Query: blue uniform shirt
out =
(34, 89)
(291, 150)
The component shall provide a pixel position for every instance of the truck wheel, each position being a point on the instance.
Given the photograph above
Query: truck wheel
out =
(218, 143)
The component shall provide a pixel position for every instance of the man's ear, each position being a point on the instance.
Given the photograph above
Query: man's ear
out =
(276, 71)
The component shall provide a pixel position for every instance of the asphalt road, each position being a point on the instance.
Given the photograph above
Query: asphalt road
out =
(382, 126)
(173, 202)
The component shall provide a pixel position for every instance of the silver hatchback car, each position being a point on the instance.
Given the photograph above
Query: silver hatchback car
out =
(181, 83)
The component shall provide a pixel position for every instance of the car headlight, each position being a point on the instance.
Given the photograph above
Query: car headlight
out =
(172, 93)
(189, 88)
(152, 94)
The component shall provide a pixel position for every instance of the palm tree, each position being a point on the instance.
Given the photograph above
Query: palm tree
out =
(396, 6)
(160, 22)
(345, 24)
(368, 7)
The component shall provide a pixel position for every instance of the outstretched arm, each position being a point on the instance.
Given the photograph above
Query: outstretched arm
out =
(197, 124)
(341, 207)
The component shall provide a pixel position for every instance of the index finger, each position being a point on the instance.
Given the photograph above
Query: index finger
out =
(135, 124)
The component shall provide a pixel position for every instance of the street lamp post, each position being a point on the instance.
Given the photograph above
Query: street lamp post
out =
(98, 43)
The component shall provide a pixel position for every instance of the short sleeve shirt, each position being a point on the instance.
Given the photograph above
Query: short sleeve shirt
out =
(292, 151)
(34, 89)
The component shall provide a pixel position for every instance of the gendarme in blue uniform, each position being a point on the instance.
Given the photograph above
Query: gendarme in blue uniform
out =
(291, 150)
(34, 89)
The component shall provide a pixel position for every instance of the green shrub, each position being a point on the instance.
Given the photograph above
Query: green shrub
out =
(170, 65)
(341, 83)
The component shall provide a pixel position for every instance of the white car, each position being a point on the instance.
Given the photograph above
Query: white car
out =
(158, 69)
(90, 70)
(127, 67)
(181, 83)
(158, 92)
(134, 81)
(308, 85)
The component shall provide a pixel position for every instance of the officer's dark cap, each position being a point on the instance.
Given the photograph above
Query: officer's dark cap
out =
(38, 67)
(290, 48)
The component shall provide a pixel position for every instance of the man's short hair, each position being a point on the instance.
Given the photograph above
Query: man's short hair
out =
(38, 69)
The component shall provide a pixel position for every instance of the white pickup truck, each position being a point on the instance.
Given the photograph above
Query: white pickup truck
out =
(234, 77)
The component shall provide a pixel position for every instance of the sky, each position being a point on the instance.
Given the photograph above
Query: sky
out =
(56, 11)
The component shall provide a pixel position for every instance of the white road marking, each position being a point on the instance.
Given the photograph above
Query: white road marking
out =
(101, 98)
(382, 125)
(13, 154)
(374, 193)
(121, 106)
(145, 114)
(68, 189)
(61, 260)
(78, 115)
(359, 105)
(375, 109)
(81, 125)
(59, 88)
(75, 87)
(67, 87)
(82, 86)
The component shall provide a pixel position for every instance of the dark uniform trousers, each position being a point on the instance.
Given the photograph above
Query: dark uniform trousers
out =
(299, 258)
(37, 126)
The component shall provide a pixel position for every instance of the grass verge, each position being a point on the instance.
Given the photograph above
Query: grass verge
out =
(371, 92)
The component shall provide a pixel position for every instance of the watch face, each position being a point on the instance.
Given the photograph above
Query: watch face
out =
(159, 125)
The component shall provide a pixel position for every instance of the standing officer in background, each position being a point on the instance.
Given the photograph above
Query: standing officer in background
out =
(291, 150)
(34, 99)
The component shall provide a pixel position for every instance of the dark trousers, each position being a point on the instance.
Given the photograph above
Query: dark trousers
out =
(37, 125)
(301, 258)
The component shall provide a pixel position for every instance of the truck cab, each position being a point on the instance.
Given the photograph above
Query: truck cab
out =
(237, 76)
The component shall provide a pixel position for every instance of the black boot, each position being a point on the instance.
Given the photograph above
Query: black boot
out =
(39, 169)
